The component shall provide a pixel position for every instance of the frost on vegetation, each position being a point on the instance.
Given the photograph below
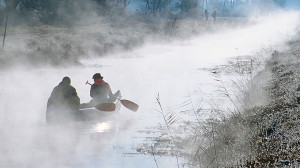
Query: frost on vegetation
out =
(221, 139)
(254, 134)
(261, 136)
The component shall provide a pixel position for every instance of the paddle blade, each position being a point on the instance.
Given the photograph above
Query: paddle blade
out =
(130, 105)
(108, 107)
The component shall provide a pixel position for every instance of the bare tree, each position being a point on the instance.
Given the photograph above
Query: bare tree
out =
(230, 2)
(155, 6)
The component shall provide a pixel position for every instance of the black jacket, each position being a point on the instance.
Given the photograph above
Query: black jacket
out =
(64, 97)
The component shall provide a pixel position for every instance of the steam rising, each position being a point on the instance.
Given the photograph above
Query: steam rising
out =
(170, 69)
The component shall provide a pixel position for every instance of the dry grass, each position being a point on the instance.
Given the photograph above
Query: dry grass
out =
(262, 130)
(265, 135)
(64, 46)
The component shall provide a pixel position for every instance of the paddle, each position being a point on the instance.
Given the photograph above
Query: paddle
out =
(107, 107)
(127, 103)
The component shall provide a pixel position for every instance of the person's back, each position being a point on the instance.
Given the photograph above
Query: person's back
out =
(100, 90)
(63, 100)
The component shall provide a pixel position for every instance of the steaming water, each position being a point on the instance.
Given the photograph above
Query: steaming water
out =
(172, 70)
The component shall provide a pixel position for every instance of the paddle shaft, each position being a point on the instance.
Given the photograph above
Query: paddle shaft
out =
(87, 82)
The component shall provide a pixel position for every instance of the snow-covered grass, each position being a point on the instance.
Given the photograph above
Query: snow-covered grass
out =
(260, 130)
(260, 135)
(214, 137)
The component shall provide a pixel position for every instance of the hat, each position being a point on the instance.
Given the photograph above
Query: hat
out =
(66, 80)
(97, 76)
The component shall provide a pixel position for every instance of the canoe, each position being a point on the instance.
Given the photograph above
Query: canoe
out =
(84, 114)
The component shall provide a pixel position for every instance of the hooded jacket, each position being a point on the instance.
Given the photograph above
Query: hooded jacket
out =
(64, 97)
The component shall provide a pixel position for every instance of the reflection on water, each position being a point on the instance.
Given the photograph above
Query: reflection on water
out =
(101, 127)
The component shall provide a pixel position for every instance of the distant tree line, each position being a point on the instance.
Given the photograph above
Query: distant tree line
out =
(103, 7)
(60, 11)
(187, 7)
(65, 11)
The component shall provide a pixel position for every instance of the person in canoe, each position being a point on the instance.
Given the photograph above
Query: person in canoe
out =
(100, 91)
(63, 101)
(103, 98)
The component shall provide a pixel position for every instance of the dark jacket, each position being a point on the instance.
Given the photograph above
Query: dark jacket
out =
(101, 91)
(64, 97)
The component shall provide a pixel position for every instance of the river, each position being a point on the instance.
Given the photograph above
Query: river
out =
(168, 70)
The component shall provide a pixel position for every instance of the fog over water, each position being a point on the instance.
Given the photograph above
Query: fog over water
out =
(172, 70)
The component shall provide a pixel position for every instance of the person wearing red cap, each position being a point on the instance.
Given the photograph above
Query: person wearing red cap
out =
(100, 91)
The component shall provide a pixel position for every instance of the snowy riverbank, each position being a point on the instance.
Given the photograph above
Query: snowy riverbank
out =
(267, 134)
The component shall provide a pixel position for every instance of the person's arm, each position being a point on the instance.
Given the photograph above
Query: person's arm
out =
(75, 100)
(110, 94)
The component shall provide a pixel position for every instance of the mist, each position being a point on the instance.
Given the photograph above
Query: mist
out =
(140, 60)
